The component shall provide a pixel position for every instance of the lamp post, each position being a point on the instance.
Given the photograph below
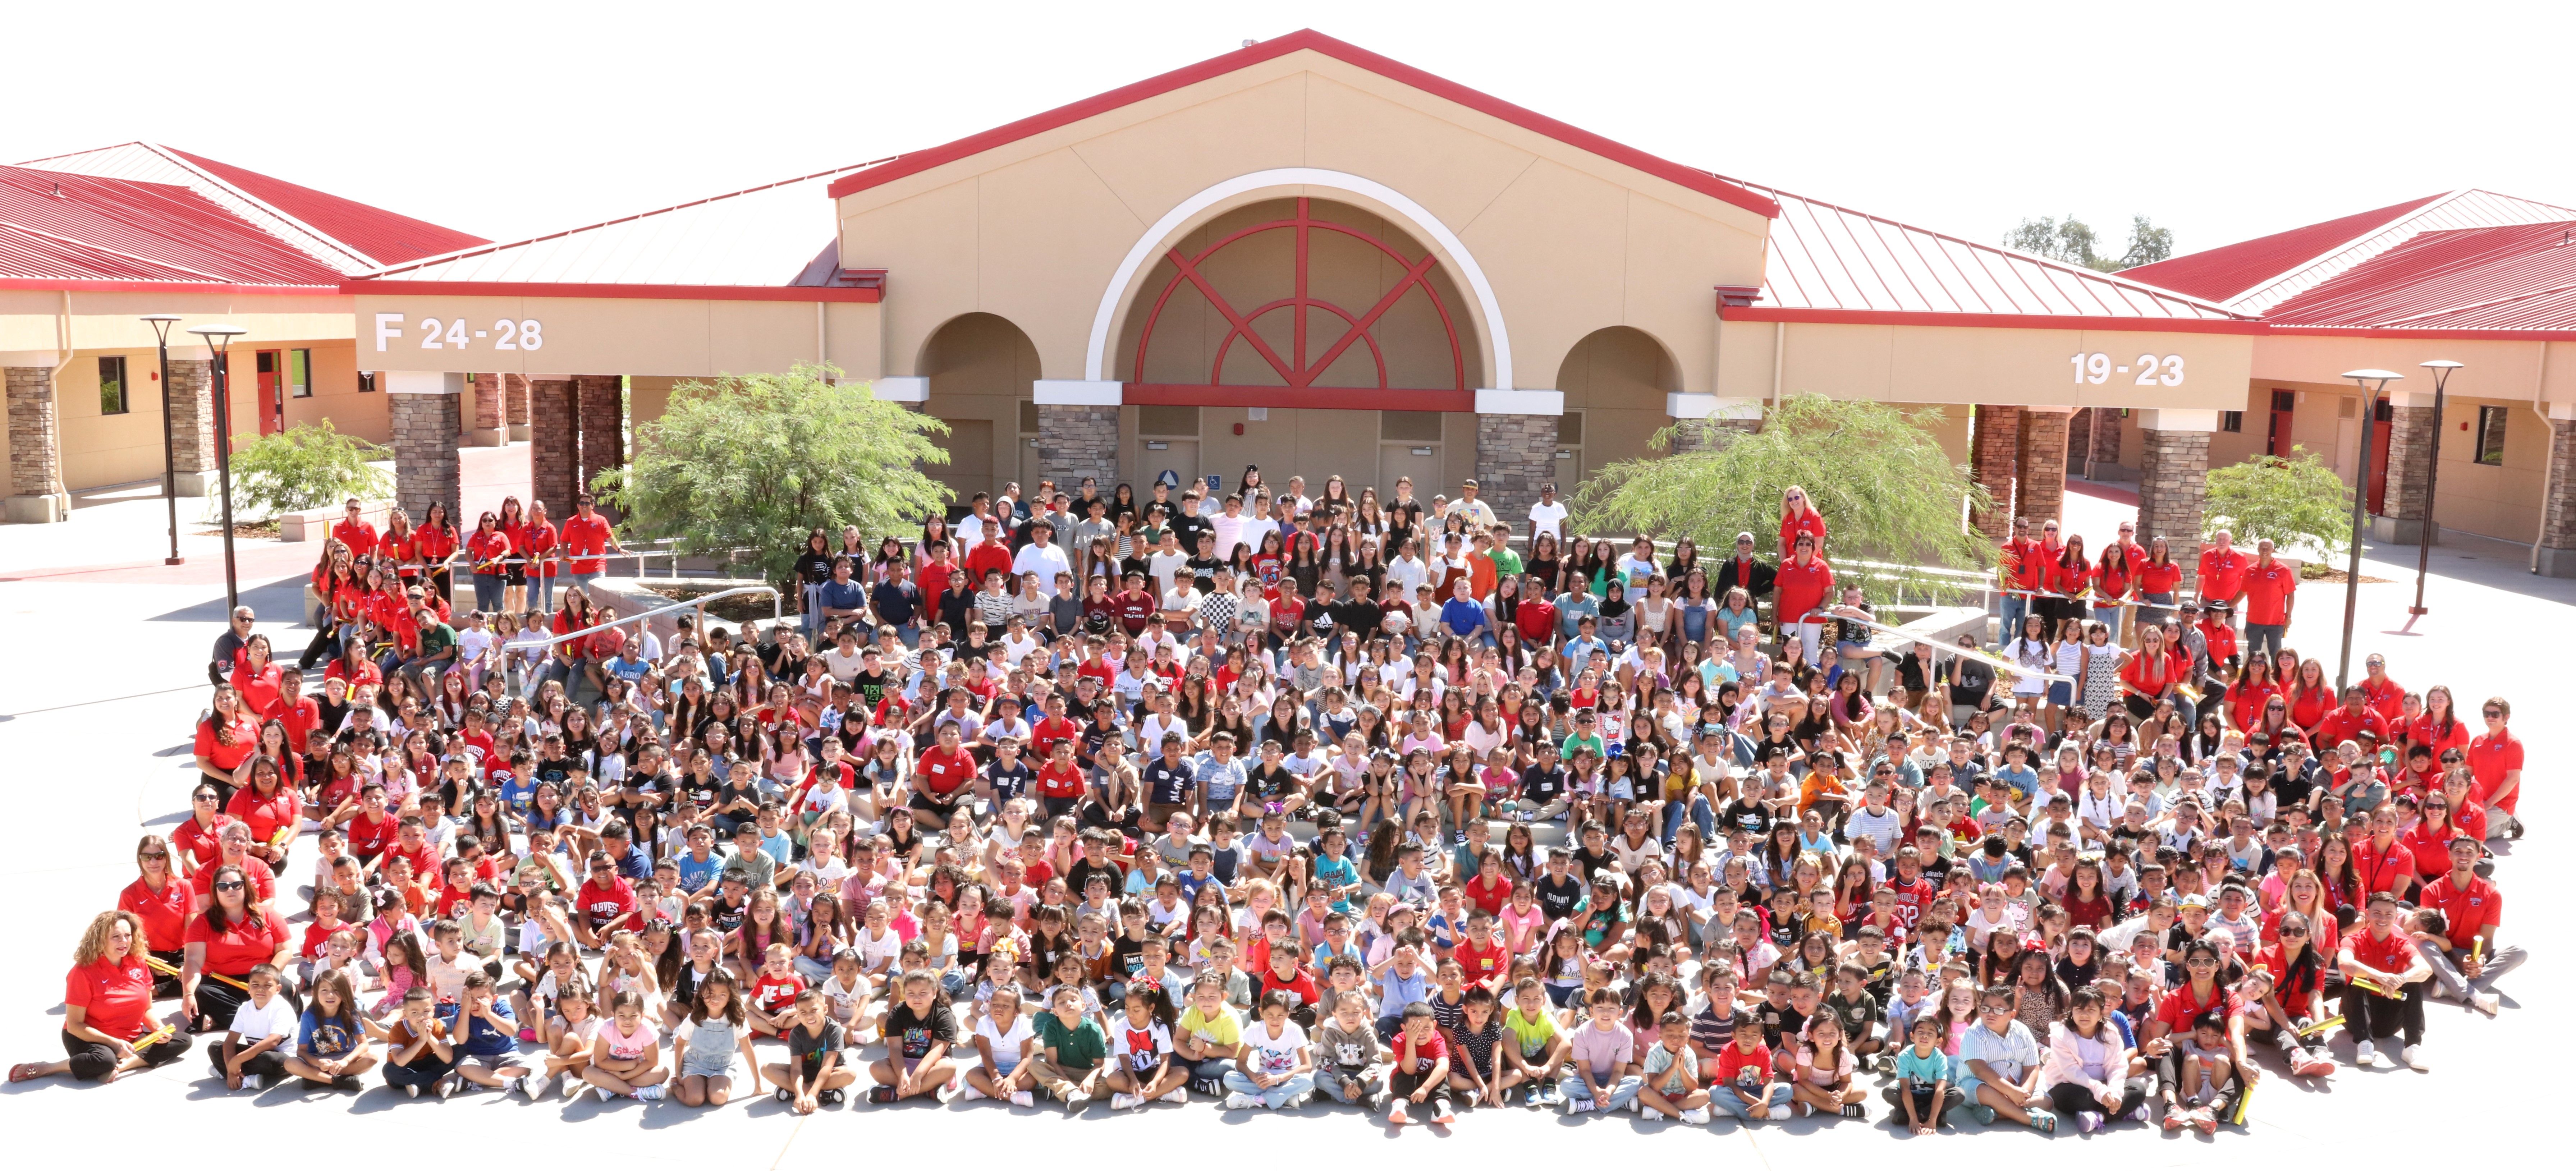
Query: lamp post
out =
(2441, 368)
(219, 338)
(2373, 383)
(161, 323)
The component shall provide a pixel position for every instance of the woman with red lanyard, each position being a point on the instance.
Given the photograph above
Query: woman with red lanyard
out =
(270, 809)
(536, 541)
(2158, 578)
(223, 945)
(434, 542)
(225, 738)
(2440, 727)
(256, 678)
(2383, 862)
(2113, 580)
(2297, 963)
(487, 548)
(2150, 676)
(107, 1008)
(514, 568)
(2069, 574)
(2200, 995)
(2248, 694)
(164, 903)
(1798, 515)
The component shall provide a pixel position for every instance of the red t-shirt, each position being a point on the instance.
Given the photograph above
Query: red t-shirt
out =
(165, 915)
(1049, 732)
(2491, 756)
(1808, 521)
(115, 996)
(1482, 963)
(1059, 782)
(240, 946)
(245, 732)
(2222, 574)
(2341, 725)
(1536, 618)
(537, 542)
(369, 838)
(946, 772)
(1802, 588)
(2393, 955)
(603, 903)
(2468, 910)
(2267, 593)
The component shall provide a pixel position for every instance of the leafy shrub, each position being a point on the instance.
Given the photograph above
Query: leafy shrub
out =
(306, 466)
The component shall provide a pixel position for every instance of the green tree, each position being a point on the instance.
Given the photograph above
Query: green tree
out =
(1876, 472)
(2072, 241)
(2295, 501)
(757, 461)
(305, 466)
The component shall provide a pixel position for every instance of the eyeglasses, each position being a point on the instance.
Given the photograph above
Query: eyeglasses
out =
(205, 796)
(2294, 931)
(1995, 1009)
(2204, 962)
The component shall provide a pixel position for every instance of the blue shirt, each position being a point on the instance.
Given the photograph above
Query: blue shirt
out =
(843, 595)
(480, 1039)
(1337, 873)
(695, 875)
(1395, 992)
(1462, 617)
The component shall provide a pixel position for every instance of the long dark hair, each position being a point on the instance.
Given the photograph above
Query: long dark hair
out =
(215, 901)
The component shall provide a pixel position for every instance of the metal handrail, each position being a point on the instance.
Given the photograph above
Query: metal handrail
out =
(777, 613)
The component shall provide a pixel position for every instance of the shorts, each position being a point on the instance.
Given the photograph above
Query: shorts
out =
(2061, 693)
(1846, 649)
(492, 1061)
(702, 1064)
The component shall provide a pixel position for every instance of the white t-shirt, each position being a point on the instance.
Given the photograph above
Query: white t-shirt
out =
(277, 1020)
(1140, 1049)
(1274, 1056)
(1006, 1044)
(1044, 560)
(1547, 518)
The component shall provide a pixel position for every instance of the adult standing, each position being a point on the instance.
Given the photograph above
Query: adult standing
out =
(2222, 570)
(1798, 515)
(1805, 582)
(487, 554)
(434, 542)
(2271, 591)
(107, 1008)
(587, 537)
(536, 543)
(1743, 571)
(2022, 569)
(222, 945)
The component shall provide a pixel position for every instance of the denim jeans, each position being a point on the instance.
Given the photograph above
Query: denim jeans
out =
(2014, 609)
(1237, 1082)
(1727, 1100)
(1696, 808)
(487, 592)
(2264, 638)
(1621, 1092)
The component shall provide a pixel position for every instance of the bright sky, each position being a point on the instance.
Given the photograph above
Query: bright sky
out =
(2222, 121)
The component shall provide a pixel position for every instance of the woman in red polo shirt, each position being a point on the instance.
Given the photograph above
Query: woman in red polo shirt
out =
(196, 840)
(223, 945)
(107, 1007)
(433, 543)
(536, 541)
(1798, 515)
(226, 738)
(397, 547)
(270, 808)
(2440, 726)
(2158, 578)
(164, 903)
(486, 551)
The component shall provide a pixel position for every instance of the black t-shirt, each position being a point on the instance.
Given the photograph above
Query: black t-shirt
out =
(1009, 780)
(1747, 814)
(1359, 615)
(810, 1047)
(1542, 784)
(1559, 898)
(1269, 784)
(1079, 876)
(914, 1033)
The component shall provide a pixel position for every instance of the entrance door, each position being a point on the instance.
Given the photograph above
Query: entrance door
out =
(1154, 457)
(2379, 424)
(1569, 467)
(2284, 402)
(272, 391)
(1418, 460)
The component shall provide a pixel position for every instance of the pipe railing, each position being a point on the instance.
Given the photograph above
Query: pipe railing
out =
(777, 613)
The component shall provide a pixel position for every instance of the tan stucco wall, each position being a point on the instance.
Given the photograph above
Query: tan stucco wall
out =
(1955, 364)
(1035, 230)
(980, 367)
(624, 335)
(1617, 378)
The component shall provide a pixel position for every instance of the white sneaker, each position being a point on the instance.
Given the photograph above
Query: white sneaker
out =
(2413, 1056)
(649, 1094)
(972, 1094)
(1296, 1101)
(1125, 1101)
(1023, 1098)
(447, 1085)
(2486, 1002)
(2365, 1054)
(572, 1087)
(251, 1081)
(411, 1089)
(1241, 1101)
(528, 1083)
(1180, 1095)
(1636, 1105)
(948, 1093)
(1697, 1117)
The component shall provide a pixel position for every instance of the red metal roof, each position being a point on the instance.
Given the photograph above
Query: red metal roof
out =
(1343, 51)
(388, 237)
(1830, 263)
(2217, 274)
(63, 226)
(2518, 277)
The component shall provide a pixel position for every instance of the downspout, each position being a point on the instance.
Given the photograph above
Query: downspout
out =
(68, 355)
(1779, 353)
(2549, 463)
(822, 356)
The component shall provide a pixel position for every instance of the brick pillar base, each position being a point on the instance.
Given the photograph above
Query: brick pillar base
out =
(1994, 459)
(2042, 484)
(1514, 455)
(1073, 442)
(554, 444)
(36, 493)
(192, 425)
(2558, 508)
(485, 430)
(2173, 488)
(425, 465)
(2410, 459)
(517, 390)
(603, 431)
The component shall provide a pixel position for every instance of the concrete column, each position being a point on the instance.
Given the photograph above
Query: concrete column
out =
(485, 430)
(2042, 490)
(2173, 483)
(192, 422)
(1077, 441)
(2400, 519)
(427, 410)
(2558, 508)
(1994, 460)
(554, 443)
(36, 493)
(603, 431)
(517, 389)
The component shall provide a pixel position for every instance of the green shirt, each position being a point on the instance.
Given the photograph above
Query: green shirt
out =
(1506, 562)
(437, 638)
(1077, 1049)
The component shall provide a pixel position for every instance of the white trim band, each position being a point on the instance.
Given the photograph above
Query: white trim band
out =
(903, 389)
(2177, 419)
(1066, 392)
(1520, 402)
(420, 382)
(1709, 406)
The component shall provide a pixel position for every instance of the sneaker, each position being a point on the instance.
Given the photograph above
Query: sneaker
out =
(2046, 1123)
(649, 1094)
(1461, 837)
(1395, 1115)
(1470, 1097)
(2088, 1121)
(1294, 1102)
(1580, 1105)
(2486, 1002)
(448, 1085)
(1855, 1110)
(2365, 1054)
(786, 1095)
(1240, 1101)
(252, 1081)
(881, 1095)
(2314, 1065)
(1125, 1101)
(2203, 1119)
(1180, 1095)
(533, 1085)
(2177, 1117)
(1446, 1117)
(2412, 1055)
(828, 1098)
(971, 1094)
(2143, 1114)
(349, 1083)
(1696, 1117)
(948, 1093)
(1023, 1098)
(411, 1090)
(1984, 1114)
(572, 1086)
(1636, 1105)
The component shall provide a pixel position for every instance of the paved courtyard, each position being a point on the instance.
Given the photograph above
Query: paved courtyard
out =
(96, 730)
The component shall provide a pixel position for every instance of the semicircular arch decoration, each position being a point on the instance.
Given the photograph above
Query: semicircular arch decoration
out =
(1301, 364)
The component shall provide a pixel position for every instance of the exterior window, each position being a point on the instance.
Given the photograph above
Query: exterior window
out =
(299, 373)
(1029, 417)
(2491, 424)
(112, 399)
(1409, 426)
(2232, 422)
(1178, 422)
(366, 382)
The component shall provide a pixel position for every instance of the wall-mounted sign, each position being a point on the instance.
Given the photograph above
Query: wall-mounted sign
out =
(505, 333)
(2150, 369)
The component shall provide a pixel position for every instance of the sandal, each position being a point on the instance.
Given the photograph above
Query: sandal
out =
(22, 1072)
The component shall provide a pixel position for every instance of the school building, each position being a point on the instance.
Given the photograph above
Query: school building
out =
(1310, 257)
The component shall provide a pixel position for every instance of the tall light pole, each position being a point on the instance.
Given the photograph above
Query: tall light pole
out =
(219, 338)
(2370, 393)
(161, 323)
(2441, 368)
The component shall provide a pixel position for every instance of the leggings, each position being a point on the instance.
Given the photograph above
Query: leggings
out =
(2071, 1099)
(92, 1061)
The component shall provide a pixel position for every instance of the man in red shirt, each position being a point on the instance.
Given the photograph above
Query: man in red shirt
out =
(2350, 720)
(2271, 589)
(354, 531)
(585, 536)
(2382, 955)
(940, 779)
(2222, 569)
(2465, 958)
(2386, 697)
(2495, 758)
(2023, 567)
(1804, 584)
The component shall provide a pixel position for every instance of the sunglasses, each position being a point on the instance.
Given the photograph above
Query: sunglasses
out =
(2493, 714)
(205, 796)
(228, 886)
(156, 856)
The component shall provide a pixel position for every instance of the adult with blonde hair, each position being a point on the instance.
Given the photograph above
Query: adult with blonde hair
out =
(108, 1030)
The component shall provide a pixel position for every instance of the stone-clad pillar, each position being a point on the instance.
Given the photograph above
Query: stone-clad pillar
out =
(1994, 459)
(517, 388)
(192, 424)
(603, 431)
(1514, 455)
(2558, 508)
(554, 443)
(2042, 479)
(36, 493)
(2400, 519)
(2173, 483)
(486, 429)
(427, 411)
(1077, 441)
